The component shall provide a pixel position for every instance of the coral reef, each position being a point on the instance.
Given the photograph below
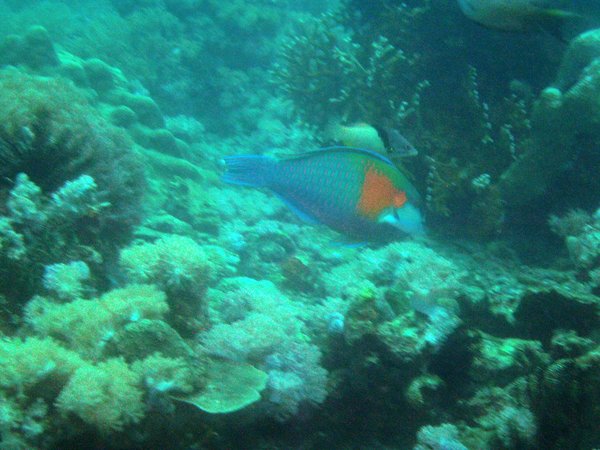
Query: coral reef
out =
(581, 232)
(143, 303)
(63, 168)
(564, 126)
(254, 322)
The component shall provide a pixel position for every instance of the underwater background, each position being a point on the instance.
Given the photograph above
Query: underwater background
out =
(146, 303)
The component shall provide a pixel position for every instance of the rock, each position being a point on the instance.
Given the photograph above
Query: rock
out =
(581, 52)
(122, 116)
(38, 48)
(147, 110)
(35, 49)
(101, 76)
(142, 338)
(499, 361)
(543, 310)
(425, 392)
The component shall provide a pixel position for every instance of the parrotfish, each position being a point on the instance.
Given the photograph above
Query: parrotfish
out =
(384, 140)
(516, 15)
(356, 192)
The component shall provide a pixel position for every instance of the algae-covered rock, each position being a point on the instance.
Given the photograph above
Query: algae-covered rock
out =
(147, 110)
(502, 360)
(567, 395)
(161, 225)
(144, 337)
(559, 119)
(38, 48)
(101, 76)
(34, 49)
(122, 116)
(164, 163)
(543, 310)
(581, 52)
(71, 67)
(425, 392)
(163, 141)
(568, 344)
(230, 387)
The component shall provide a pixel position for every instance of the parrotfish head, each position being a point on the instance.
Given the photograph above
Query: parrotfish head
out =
(407, 219)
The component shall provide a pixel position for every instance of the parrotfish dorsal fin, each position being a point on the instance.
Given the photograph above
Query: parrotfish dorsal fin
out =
(341, 149)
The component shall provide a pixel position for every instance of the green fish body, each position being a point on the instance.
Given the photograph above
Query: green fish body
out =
(356, 192)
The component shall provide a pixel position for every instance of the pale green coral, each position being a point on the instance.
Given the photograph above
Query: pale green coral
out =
(106, 396)
(66, 280)
(180, 267)
(164, 374)
(23, 363)
(169, 262)
(86, 325)
(231, 387)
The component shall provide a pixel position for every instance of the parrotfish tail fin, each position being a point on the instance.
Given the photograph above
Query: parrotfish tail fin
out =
(249, 170)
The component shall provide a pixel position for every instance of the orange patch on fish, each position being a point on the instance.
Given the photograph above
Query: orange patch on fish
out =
(378, 193)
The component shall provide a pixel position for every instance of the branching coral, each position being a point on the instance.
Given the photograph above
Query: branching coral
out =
(66, 280)
(441, 437)
(328, 75)
(32, 371)
(36, 231)
(376, 63)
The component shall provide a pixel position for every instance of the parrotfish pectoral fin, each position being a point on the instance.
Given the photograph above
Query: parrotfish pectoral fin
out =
(298, 212)
(249, 170)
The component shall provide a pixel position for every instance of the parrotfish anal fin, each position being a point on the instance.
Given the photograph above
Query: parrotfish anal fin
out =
(348, 244)
(298, 212)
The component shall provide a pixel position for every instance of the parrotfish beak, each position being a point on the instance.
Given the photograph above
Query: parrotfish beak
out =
(407, 219)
